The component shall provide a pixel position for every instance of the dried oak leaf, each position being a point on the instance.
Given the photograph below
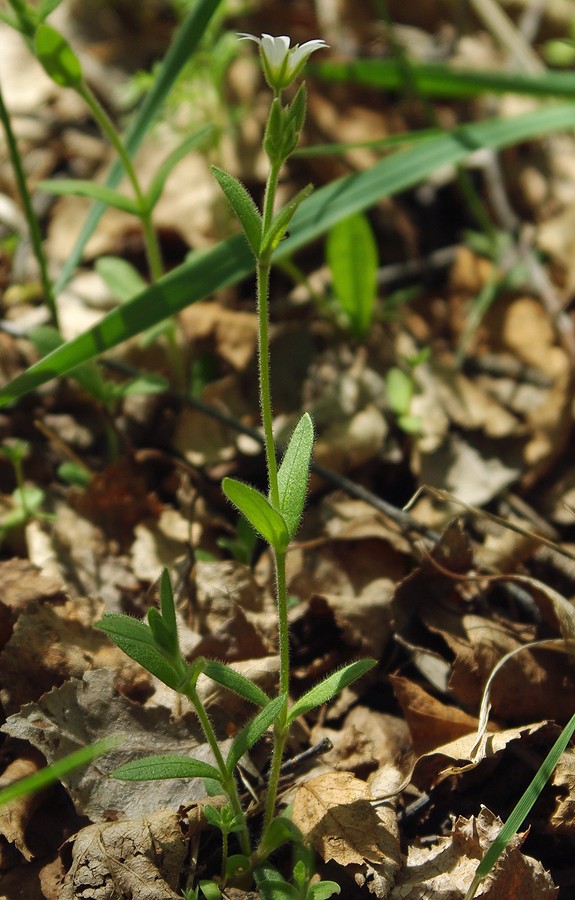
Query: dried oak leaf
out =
(79, 713)
(334, 812)
(446, 869)
(139, 859)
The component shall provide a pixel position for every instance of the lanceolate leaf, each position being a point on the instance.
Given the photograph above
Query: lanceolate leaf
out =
(254, 730)
(239, 684)
(232, 260)
(81, 188)
(329, 687)
(279, 225)
(137, 642)
(293, 473)
(258, 511)
(352, 256)
(243, 206)
(57, 57)
(191, 143)
(167, 766)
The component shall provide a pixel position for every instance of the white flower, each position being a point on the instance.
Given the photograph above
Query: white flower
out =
(282, 65)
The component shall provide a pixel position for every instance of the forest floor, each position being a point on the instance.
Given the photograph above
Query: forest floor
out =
(474, 426)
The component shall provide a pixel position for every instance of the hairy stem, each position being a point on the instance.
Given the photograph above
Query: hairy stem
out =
(228, 781)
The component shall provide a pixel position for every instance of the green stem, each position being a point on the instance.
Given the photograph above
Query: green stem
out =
(281, 729)
(31, 218)
(263, 277)
(283, 637)
(153, 252)
(228, 781)
(263, 286)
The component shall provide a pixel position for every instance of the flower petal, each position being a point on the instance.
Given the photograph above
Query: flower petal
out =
(275, 49)
(244, 36)
(299, 53)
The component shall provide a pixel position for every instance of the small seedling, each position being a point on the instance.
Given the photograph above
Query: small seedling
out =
(26, 499)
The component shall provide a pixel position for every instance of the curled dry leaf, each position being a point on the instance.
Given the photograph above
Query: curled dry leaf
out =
(446, 869)
(15, 816)
(139, 858)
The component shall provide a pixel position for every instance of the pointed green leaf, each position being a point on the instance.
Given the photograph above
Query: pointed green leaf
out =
(153, 768)
(78, 187)
(137, 642)
(57, 57)
(293, 473)
(210, 890)
(280, 831)
(120, 277)
(254, 730)
(353, 259)
(257, 509)
(163, 638)
(158, 182)
(239, 684)
(167, 605)
(46, 7)
(243, 206)
(329, 687)
(280, 224)
(399, 386)
(323, 890)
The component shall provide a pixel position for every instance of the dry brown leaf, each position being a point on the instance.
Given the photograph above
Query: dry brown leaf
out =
(65, 646)
(446, 869)
(535, 684)
(231, 334)
(15, 816)
(334, 812)
(22, 583)
(201, 439)
(431, 723)
(81, 712)
(366, 740)
(141, 859)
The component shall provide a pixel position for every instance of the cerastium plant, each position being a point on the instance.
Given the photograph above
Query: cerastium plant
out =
(275, 517)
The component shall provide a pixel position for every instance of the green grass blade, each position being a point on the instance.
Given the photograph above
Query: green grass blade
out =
(230, 261)
(523, 807)
(57, 770)
(445, 81)
(184, 44)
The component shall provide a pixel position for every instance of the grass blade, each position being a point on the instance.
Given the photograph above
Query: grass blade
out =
(524, 805)
(57, 770)
(445, 81)
(230, 261)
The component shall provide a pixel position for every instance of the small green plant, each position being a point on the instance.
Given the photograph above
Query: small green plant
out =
(27, 499)
(275, 516)
(400, 386)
